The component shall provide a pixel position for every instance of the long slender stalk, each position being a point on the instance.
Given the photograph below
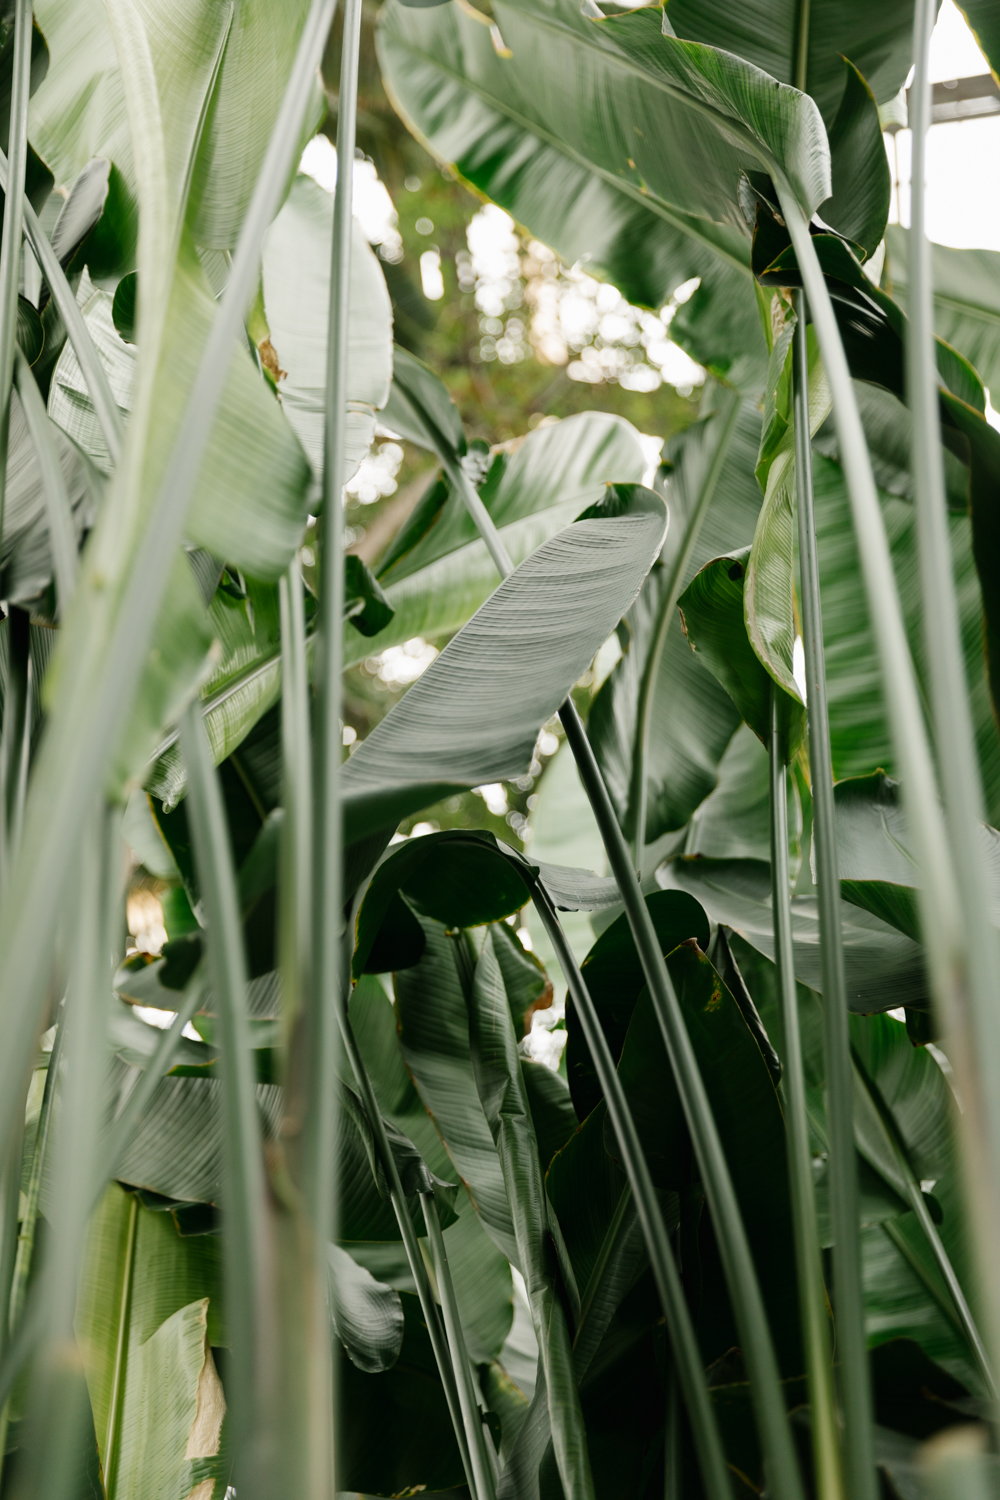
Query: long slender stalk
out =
(295, 902)
(10, 236)
(246, 1249)
(121, 1353)
(428, 1306)
(485, 1485)
(741, 1277)
(809, 1266)
(328, 922)
(855, 1376)
(954, 735)
(58, 510)
(684, 1345)
(729, 410)
(32, 1198)
(88, 717)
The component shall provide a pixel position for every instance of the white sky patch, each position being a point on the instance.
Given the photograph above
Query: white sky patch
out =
(371, 203)
(799, 666)
(153, 1016)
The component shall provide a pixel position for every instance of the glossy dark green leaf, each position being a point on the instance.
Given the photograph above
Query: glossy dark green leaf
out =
(505, 1103)
(367, 1315)
(983, 21)
(420, 409)
(614, 977)
(884, 968)
(859, 206)
(712, 614)
(966, 301)
(552, 1112)
(552, 614)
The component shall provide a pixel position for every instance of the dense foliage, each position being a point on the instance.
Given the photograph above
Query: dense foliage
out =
(291, 1202)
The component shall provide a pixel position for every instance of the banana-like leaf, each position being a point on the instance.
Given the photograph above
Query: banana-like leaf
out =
(168, 1394)
(692, 720)
(296, 282)
(504, 1099)
(884, 968)
(420, 409)
(481, 113)
(27, 552)
(433, 1018)
(437, 572)
(479, 1270)
(966, 299)
(563, 831)
(879, 43)
(983, 21)
(734, 821)
(367, 1315)
(525, 647)
(712, 613)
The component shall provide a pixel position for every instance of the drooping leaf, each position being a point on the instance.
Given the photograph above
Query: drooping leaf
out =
(859, 206)
(552, 614)
(367, 1315)
(437, 573)
(296, 281)
(420, 409)
(712, 614)
(368, 610)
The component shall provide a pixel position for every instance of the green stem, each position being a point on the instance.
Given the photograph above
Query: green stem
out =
(10, 237)
(485, 1483)
(58, 510)
(855, 1382)
(684, 1344)
(295, 900)
(32, 1198)
(328, 890)
(741, 1277)
(809, 1265)
(121, 1354)
(729, 411)
(16, 728)
(734, 1249)
(954, 734)
(415, 1260)
(245, 1204)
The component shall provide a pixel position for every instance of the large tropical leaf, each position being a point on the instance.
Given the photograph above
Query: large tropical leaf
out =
(164, 1318)
(525, 647)
(367, 1315)
(437, 573)
(878, 42)
(966, 299)
(296, 283)
(884, 968)
(504, 1098)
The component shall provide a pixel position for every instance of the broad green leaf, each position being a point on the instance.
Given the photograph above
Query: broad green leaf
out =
(734, 821)
(713, 618)
(983, 21)
(296, 285)
(614, 978)
(884, 968)
(505, 1103)
(862, 188)
(420, 409)
(966, 299)
(564, 832)
(541, 484)
(551, 615)
(27, 555)
(878, 42)
(431, 1008)
(171, 1318)
(367, 1315)
(481, 113)
(479, 1270)
(368, 610)
(692, 720)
